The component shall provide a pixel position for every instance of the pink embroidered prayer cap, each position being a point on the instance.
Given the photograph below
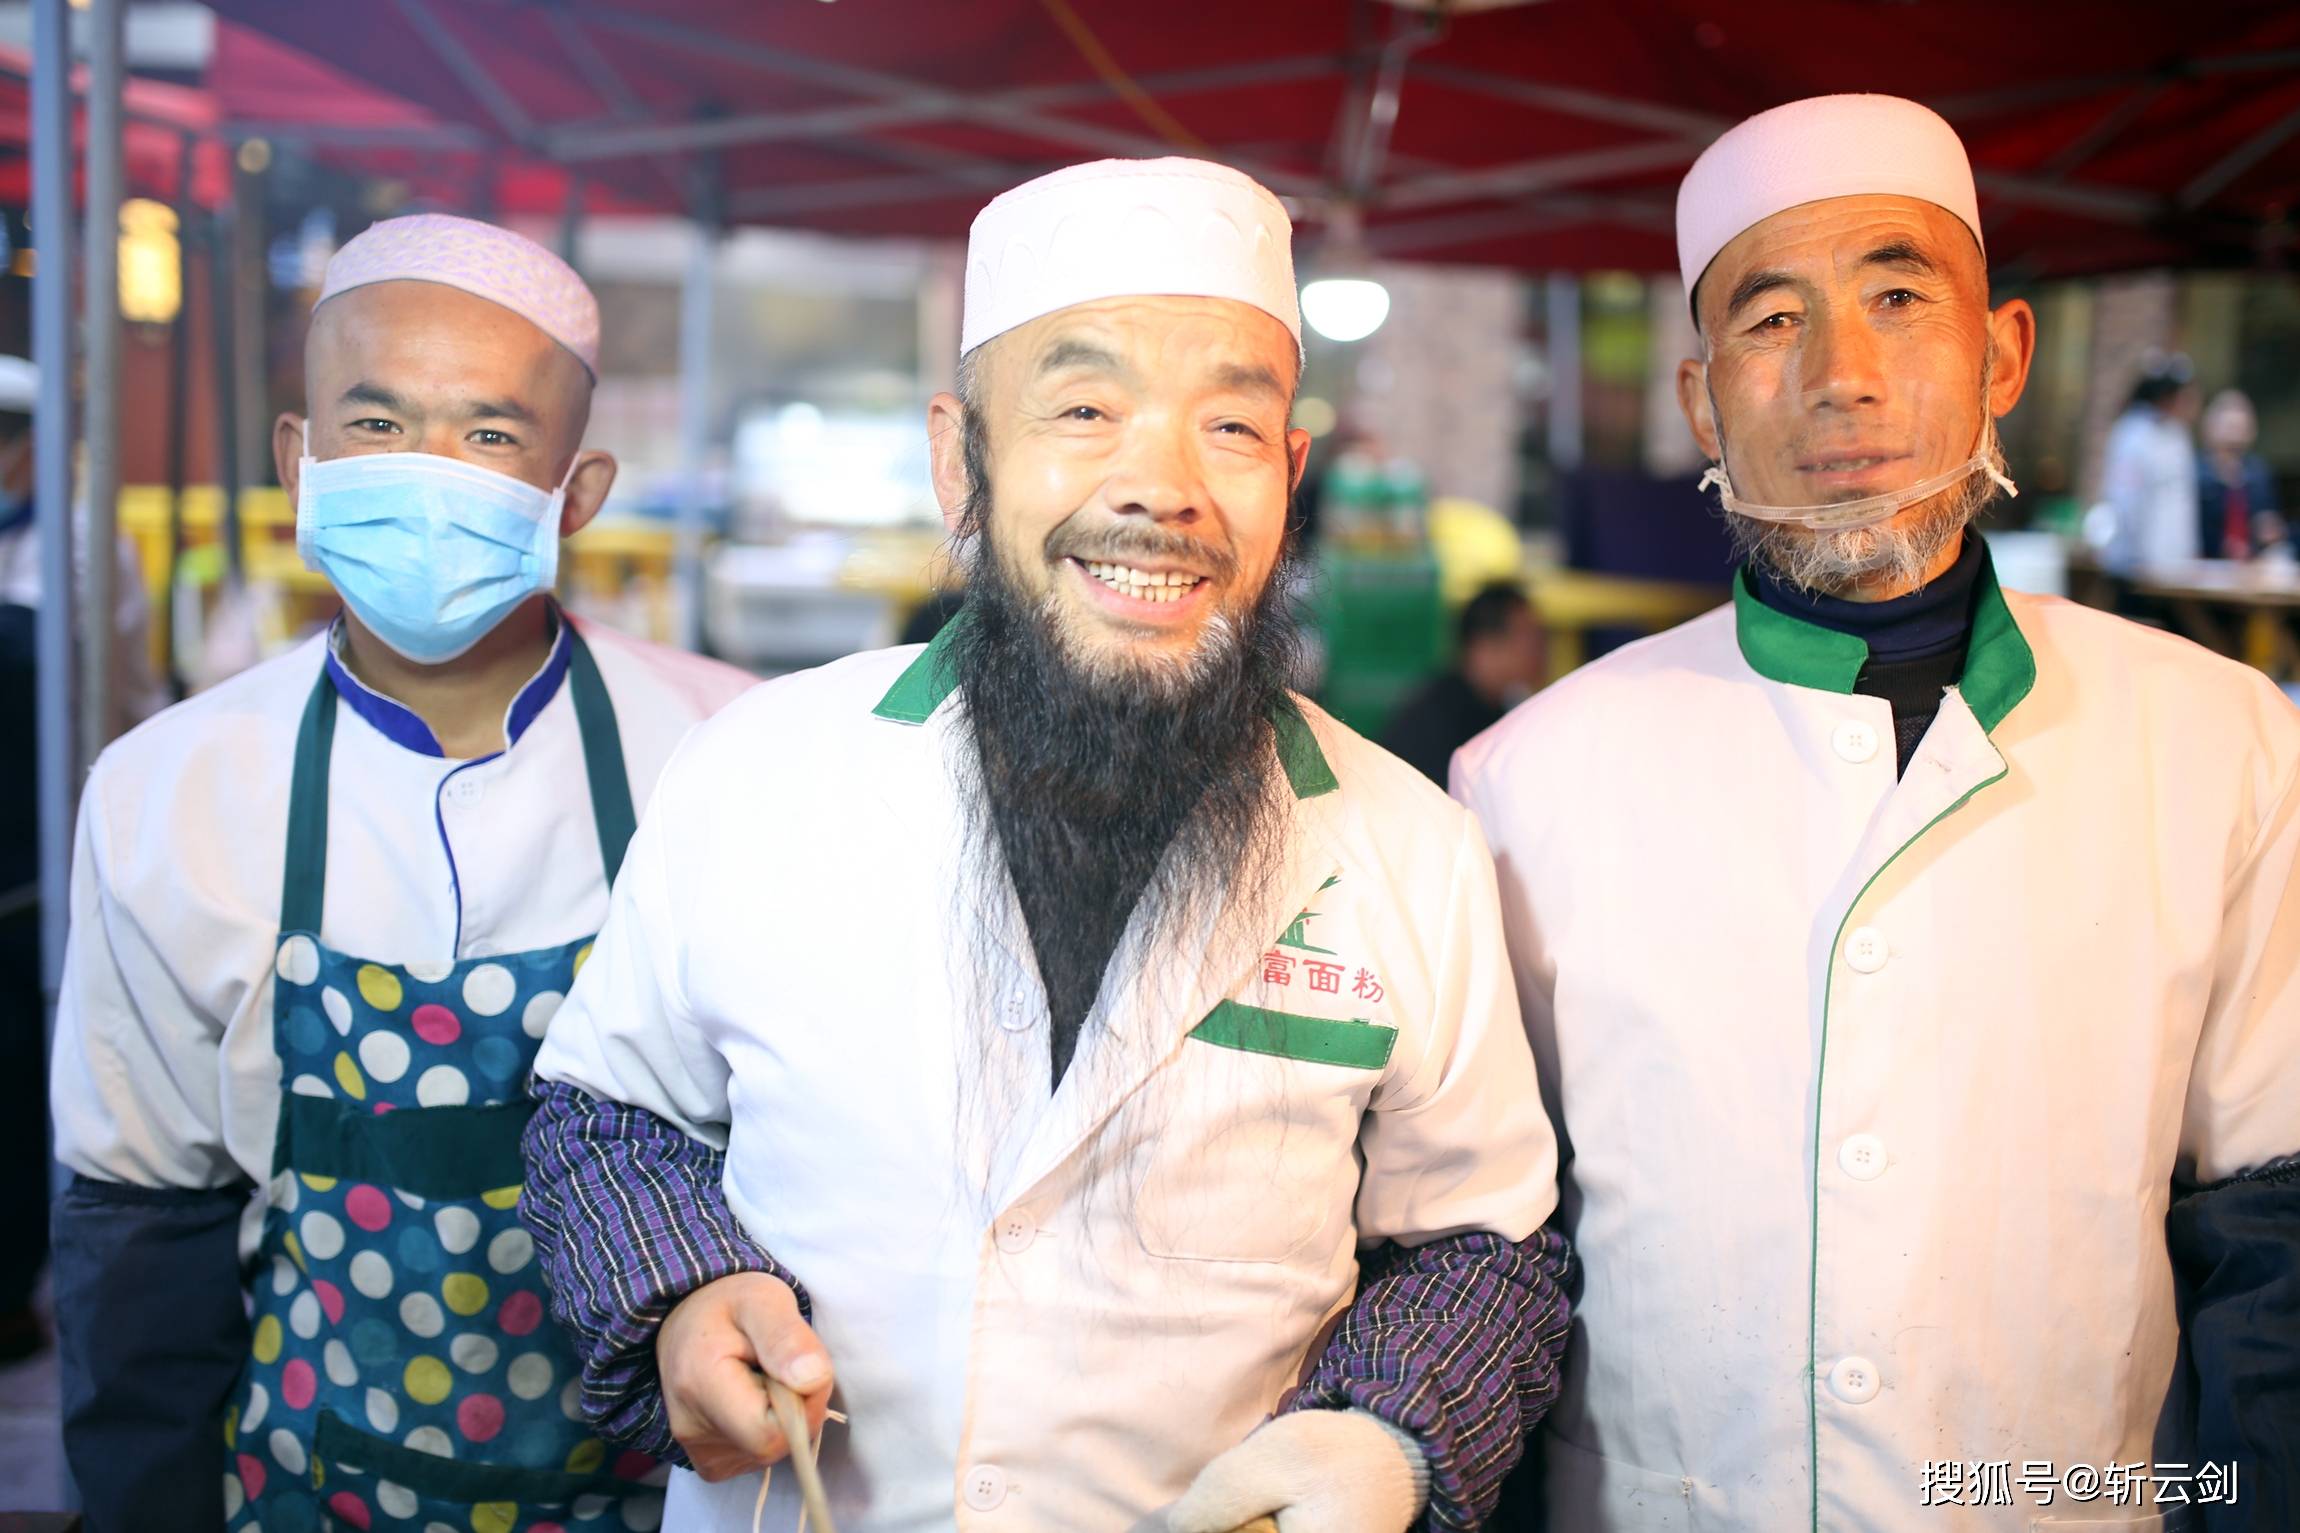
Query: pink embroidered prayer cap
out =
(1810, 150)
(481, 259)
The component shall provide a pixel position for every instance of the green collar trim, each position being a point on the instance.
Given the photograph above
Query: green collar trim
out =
(2000, 668)
(927, 682)
(924, 683)
(1298, 751)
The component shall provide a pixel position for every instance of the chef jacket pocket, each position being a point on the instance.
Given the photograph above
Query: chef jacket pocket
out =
(1253, 1136)
(372, 1484)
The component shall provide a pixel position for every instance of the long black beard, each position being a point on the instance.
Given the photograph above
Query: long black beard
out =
(1105, 791)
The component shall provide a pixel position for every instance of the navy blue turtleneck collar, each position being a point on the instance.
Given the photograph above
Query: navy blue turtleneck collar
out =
(1933, 620)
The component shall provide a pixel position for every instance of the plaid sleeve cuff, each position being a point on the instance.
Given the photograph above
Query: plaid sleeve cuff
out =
(629, 1218)
(1456, 1343)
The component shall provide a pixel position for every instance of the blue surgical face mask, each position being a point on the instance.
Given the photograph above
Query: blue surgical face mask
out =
(429, 552)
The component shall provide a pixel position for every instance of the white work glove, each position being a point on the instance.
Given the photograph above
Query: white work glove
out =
(1319, 1471)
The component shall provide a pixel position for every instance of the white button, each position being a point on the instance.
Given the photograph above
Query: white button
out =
(1862, 1157)
(1854, 1380)
(464, 790)
(985, 1487)
(1855, 741)
(1015, 1231)
(1014, 1016)
(1866, 949)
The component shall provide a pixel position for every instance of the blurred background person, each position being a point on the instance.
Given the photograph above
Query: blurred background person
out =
(1497, 665)
(24, 1113)
(2235, 493)
(2148, 476)
(137, 694)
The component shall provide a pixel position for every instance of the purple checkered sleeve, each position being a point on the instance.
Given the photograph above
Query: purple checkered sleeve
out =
(628, 1219)
(1458, 1344)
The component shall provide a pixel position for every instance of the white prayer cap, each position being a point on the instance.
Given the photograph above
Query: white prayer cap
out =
(1127, 228)
(1824, 146)
(484, 261)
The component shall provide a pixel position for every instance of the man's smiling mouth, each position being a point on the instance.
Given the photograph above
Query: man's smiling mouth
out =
(1144, 585)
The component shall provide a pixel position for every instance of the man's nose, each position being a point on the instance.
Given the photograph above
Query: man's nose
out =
(439, 438)
(1843, 365)
(1157, 474)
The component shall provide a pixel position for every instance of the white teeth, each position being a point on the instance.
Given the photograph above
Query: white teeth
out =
(1144, 585)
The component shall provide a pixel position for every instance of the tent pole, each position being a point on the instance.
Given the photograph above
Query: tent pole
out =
(571, 219)
(179, 409)
(223, 337)
(100, 299)
(1563, 300)
(695, 321)
(52, 467)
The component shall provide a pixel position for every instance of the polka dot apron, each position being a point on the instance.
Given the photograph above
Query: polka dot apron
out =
(404, 1373)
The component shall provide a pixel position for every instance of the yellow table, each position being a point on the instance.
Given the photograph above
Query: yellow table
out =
(1570, 603)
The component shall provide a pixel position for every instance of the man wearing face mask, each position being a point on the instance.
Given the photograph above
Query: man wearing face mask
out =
(322, 916)
(1111, 1056)
(1914, 964)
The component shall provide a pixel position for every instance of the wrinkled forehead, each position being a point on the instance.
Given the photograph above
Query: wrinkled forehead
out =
(1819, 245)
(1153, 339)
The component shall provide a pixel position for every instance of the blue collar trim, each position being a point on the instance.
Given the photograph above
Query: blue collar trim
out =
(404, 727)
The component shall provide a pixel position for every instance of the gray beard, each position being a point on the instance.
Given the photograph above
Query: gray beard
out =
(1895, 554)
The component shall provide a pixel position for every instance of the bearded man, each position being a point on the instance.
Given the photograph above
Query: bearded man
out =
(1914, 965)
(1120, 1052)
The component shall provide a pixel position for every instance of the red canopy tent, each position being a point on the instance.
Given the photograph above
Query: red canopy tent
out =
(161, 119)
(257, 88)
(340, 114)
(1546, 135)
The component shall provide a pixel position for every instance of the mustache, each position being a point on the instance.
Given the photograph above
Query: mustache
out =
(1126, 541)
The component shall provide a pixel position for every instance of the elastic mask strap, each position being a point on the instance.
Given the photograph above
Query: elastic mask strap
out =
(1853, 514)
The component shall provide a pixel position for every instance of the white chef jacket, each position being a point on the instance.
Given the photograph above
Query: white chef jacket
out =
(1872, 1091)
(165, 1071)
(1048, 1309)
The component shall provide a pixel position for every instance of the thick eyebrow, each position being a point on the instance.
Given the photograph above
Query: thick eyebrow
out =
(1249, 378)
(376, 396)
(1756, 285)
(1902, 255)
(1066, 354)
(498, 410)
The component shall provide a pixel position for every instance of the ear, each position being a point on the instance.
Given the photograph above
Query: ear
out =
(946, 448)
(1693, 399)
(1297, 457)
(587, 489)
(287, 451)
(2012, 329)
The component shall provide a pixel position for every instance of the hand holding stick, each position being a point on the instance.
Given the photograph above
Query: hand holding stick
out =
(791, 1416)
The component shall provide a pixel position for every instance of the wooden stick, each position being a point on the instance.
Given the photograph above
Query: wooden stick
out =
(1261, 1525)
(791, 1416)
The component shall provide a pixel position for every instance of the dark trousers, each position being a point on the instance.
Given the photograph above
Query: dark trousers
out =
(23, 1111)
(24, 1141)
